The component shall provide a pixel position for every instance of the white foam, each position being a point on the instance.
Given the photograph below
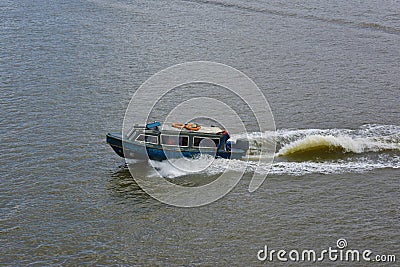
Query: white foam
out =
(286, 168)
(368, 138)
(182, 166)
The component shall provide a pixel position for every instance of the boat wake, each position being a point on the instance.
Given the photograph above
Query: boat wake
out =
(305, 151)
(320, 146)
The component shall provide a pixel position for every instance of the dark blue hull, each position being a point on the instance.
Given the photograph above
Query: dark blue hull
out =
(156, 152)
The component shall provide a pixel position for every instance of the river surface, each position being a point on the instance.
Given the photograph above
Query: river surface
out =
(330, 71)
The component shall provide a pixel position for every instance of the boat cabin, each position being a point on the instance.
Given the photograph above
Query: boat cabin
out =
(173, 135)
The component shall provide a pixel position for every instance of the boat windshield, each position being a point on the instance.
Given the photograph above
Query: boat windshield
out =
(152, 139)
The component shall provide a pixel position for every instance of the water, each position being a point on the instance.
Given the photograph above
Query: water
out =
(329, 71)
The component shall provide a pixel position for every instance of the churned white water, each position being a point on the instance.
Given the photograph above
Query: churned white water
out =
(353, 150)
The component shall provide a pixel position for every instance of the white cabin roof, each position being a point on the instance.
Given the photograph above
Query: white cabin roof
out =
(203, 129)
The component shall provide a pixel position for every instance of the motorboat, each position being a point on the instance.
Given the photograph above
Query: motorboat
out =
(176, 140)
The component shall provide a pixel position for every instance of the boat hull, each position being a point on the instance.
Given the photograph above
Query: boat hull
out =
(133, 150)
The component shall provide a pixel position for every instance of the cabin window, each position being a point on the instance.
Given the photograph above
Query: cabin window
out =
(151, 139)
(208, 142)
(174, 140)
